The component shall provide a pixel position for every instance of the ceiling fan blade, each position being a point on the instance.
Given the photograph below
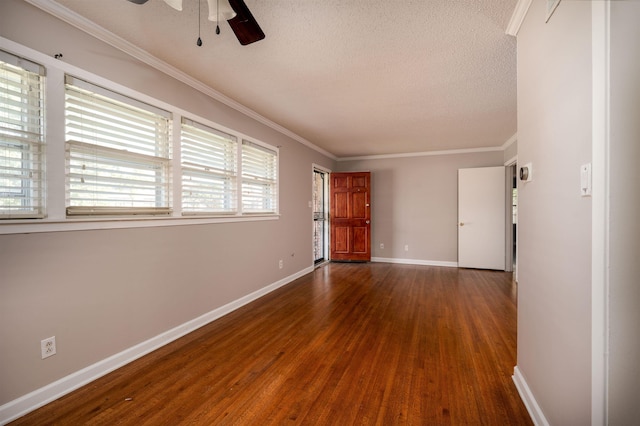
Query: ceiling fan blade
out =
(244, 25)
(138, 1)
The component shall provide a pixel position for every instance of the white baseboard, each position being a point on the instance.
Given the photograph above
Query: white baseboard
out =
(537, 416)
(36, 399)
(415, 262)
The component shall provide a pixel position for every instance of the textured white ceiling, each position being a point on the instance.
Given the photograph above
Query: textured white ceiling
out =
(355, 77)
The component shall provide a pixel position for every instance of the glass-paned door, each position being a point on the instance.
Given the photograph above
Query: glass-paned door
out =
(320, 216)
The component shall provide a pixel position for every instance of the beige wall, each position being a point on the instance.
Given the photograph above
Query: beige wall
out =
(415, 203)
(554, 248)
(102, 291)
(624, 361)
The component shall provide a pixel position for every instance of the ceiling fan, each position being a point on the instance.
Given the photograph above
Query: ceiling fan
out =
(235, 12)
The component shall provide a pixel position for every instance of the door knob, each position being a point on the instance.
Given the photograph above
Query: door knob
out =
(461, 223)
(368, 222)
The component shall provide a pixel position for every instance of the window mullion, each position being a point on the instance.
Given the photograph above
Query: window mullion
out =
(240, 179)
(55, 149)
(175, 169)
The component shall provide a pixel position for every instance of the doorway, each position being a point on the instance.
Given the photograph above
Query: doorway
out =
(481, 219)
(511, 214)
(320, 205)
(514, 218)
(350, 217)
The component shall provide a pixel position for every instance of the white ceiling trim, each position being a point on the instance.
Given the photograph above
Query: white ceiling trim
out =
(518, 17)
(119, 43)
(510, 141)
(423, 154)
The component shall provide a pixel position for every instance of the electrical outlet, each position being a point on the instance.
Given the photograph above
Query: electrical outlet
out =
(381, 246)
(281, 264)
(406, 247)
(48, 347)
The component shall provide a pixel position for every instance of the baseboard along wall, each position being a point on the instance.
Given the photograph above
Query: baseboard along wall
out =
(537, 416)
(46, 394)
(415, 262)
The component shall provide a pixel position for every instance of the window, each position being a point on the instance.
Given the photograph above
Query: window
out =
(118, 153)
(109, 156)
(21, 138)
(209, 170)
(259, 178)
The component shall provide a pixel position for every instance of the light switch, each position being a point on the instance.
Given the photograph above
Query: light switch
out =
(585, 180)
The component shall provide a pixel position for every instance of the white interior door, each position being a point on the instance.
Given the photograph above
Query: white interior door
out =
(481, 218)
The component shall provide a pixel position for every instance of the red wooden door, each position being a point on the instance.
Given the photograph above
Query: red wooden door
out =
(350, 216)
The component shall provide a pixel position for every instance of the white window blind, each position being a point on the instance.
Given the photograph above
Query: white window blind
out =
(21, 138)
(209, 170)
(118, 153)
(259, 178)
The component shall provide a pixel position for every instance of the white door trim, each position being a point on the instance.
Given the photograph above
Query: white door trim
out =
(600, 21)
(316, 167)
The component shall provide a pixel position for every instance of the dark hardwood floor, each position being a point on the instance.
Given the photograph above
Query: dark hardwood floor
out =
(348, 344)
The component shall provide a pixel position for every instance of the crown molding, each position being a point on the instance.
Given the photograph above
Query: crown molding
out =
(519, 13)
(510, 141)
(102, 34)
(422, 154)
(503, 147)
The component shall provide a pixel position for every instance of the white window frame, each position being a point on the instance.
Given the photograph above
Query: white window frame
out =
(56, 218)
(255, 174)
(118, 153)
(22, 135)
(209, 165)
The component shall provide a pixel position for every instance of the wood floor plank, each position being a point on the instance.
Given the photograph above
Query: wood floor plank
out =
(365, 344)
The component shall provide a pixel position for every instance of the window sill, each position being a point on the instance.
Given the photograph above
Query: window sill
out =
(31, 226)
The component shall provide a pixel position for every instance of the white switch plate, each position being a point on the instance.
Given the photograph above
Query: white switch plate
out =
(585, 180)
